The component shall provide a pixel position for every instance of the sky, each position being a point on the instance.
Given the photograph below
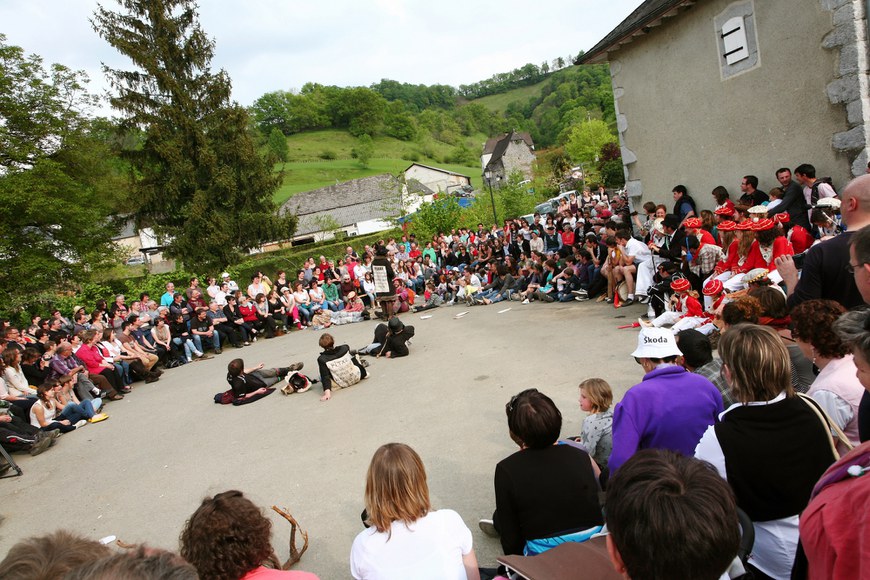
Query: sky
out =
(268, 45)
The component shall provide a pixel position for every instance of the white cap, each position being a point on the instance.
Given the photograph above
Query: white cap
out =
(225, 275)
(656, 343)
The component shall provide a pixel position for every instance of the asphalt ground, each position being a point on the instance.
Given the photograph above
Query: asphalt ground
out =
(140, 474)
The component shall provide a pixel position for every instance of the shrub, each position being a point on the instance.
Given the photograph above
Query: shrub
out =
(328, 154)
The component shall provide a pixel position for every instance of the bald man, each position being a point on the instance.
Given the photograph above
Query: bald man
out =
(826, 272)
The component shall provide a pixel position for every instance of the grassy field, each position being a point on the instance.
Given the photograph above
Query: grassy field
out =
(498, 103)
(307, 170)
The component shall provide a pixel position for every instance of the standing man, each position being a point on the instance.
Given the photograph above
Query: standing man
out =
(670, 408)
(793, 200)
(751, 195)
(383, 276)
(684, 205)
(814, 188)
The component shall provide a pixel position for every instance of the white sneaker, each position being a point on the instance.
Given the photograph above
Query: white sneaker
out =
(526, 301)
(197, 354)
(80, 424)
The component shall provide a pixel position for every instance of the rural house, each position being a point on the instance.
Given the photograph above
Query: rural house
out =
(708, 91)
(435, 178)
(505, 154)
(356, 207)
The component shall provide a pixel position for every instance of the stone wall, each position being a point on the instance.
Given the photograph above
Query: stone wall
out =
(850, 86)
(518, 157)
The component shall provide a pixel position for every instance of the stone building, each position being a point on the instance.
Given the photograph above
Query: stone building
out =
(511, 152)
(708, 91)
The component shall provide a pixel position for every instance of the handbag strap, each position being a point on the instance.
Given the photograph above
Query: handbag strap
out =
(830, 424)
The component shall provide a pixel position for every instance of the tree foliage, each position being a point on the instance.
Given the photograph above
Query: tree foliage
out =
(586, 140)
(56, 180)
(278, 145)
(200, 182)
(363, 150)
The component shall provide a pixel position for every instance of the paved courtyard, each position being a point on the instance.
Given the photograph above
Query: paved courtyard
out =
(140, 474)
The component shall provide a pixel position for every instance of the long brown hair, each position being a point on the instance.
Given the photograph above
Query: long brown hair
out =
(396, 487)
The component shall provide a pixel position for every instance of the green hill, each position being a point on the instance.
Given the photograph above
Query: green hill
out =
(321, 158)
(499, 102)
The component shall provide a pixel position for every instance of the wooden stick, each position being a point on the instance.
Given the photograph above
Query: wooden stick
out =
(295, 554)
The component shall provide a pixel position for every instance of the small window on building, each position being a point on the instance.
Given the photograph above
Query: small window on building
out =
(736, 39)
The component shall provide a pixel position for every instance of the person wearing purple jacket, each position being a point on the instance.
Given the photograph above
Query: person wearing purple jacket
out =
(670, 408)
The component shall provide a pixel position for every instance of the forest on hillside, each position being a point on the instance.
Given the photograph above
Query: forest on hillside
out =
(567, 97)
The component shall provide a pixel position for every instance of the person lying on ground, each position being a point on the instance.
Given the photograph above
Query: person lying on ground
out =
(391, 340)
(255, 381)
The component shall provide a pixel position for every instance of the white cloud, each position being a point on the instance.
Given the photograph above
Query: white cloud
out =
(268, 45)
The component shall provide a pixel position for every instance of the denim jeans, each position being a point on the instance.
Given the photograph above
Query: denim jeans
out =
(75, 412)
(188, 347)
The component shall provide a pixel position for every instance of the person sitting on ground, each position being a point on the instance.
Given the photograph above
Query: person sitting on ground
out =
(432, 299)
(17, 434)
(698, 358)
(406, 538)
(836, 388)
(228, 537)
(50, 556)
(670, 516)
(43, 413)
(203, 327)
(545, 493)
(182, 340)
(70, 408)
(596, 435)
(771, 447)
(256, 382)
(687, 311)
(337, 365)
(669, 409)
(391, 340)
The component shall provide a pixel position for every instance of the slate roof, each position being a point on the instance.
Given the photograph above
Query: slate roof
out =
(502, 146)
(347, 203)
(489, 147)
(644, 15)
(447, 171)
(415, 186)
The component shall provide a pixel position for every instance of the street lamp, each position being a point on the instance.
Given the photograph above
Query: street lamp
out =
(488, 175)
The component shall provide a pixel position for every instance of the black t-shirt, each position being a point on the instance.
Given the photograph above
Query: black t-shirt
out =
(201, 325)
(244, 384)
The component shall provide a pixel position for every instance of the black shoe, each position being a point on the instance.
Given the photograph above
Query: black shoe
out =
(295, 366)
(217, 351)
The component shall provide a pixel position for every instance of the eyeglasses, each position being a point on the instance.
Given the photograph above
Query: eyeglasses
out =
(852, 267)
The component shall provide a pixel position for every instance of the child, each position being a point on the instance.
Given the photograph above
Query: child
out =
(687, 311)
(596, 434)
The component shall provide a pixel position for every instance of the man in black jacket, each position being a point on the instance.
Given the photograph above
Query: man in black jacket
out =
(391, 340)
(793, 200)
(338, 366)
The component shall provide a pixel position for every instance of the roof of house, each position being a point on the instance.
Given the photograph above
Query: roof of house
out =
(448, 172)
(645, 16)
(489, 147)
(502, 146)
(347, 203)
(414, 186)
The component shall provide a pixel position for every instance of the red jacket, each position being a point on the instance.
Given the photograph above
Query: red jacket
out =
(92, 358)
(249, 312)
(781, 247)
(800, 239)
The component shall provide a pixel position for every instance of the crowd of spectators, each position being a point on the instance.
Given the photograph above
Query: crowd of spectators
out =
(781, 416)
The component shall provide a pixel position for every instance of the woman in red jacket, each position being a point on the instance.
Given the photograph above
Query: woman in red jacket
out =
(90, 354)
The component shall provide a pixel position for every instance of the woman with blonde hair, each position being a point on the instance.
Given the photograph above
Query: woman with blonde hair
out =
(406, 538)
(771, 445)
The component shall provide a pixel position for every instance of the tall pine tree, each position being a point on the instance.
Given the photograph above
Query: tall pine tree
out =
(199, 180)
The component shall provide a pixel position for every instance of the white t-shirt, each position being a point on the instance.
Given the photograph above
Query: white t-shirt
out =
(638, 250)
(430, 548)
